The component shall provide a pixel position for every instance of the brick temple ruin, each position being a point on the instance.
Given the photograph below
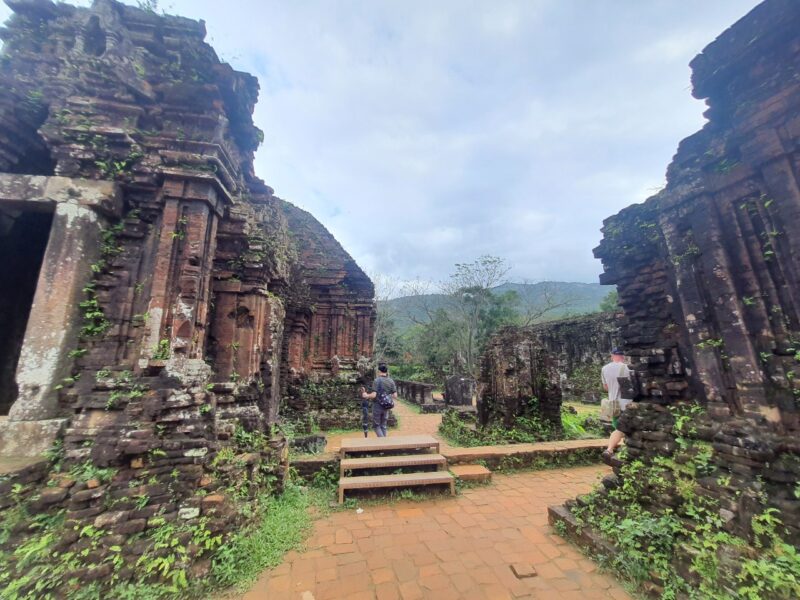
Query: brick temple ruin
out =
(155, 295)
(167, 301)
(708, 274)
(544, 361)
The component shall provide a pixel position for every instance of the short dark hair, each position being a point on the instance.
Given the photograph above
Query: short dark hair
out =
(382, 368)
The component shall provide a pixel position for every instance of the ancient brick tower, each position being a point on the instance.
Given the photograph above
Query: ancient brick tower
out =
(153, 292)
(708, 273)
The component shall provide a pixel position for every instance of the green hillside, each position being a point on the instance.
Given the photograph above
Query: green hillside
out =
(572, 298)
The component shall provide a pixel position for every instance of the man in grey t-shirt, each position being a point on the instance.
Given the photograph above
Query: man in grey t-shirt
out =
(384, 383)
(610, 376)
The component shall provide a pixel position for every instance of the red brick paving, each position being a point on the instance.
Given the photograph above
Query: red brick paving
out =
(460, 548)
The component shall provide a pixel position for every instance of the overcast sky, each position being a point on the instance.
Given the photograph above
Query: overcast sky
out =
(426, 133)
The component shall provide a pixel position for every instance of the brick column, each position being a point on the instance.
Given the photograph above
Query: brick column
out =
(181, 280)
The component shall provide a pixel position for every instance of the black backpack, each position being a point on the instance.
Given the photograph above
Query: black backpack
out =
(384, 399)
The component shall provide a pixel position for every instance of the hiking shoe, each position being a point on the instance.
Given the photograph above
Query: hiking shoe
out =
(607, 456)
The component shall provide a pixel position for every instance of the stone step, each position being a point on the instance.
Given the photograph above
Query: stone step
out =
(400, 442)
(368, 482)
(377, 462)
(471, 473)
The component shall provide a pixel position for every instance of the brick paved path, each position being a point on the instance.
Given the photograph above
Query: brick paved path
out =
(459, 548)
(410, 422)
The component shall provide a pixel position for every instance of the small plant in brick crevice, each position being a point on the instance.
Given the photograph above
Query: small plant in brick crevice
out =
(95, 323)
(87, 470)
(649, 541)
(161, 350)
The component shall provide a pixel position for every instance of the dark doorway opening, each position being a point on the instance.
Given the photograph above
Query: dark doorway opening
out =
(23, 240)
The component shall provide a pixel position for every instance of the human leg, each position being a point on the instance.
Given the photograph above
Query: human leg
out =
(365, 416)
(614, 440)
(384, 422)
(378, 418)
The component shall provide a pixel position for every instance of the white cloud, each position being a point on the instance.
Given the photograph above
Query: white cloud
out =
(507, 127)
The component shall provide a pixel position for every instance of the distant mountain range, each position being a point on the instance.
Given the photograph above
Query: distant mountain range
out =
(573, 298)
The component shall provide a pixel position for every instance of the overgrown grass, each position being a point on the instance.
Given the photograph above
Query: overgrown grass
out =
(283, 526)
(560, 460)
(416, 408)
(37, 567)
(526, 430)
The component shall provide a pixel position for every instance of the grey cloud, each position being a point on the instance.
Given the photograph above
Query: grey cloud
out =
(506, 127)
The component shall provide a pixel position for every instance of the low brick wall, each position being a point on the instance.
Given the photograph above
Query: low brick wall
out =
(421, 394)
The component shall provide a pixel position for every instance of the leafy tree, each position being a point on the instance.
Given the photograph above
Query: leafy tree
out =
(436, 344)
(502, 310)
(611, 302)
(451, 338)
(471, 300)
(389, 345)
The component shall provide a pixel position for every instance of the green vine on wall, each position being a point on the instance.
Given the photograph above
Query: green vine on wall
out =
(652, 542)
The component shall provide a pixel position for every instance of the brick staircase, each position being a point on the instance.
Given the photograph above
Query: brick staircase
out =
(378, 455)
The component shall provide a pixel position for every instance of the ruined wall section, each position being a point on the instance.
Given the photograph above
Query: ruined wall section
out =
(580, 347)
(183, 341)
(332, 313)
(544, 361)
(518, 378)
(708, 274)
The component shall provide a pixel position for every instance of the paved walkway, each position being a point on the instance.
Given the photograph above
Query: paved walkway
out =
(410, 422)
(447, 548)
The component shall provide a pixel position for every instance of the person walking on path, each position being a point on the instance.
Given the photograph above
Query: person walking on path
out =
(384, 393)
(610, 375)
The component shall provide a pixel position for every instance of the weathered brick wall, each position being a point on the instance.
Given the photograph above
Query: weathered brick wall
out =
(580, 347)
(546, 359)
(210, 293)
(708, 274)
(518, 378)
(326, 405)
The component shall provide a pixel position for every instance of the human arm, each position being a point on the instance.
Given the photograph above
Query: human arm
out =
(365, 395)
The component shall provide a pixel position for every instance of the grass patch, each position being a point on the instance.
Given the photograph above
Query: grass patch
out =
(460, 430)
(284, 525)
(580, 457)
(38, 567)
(416, 408)
(584, 410)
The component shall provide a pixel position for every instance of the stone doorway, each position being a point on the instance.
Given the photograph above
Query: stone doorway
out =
(23, 240)
(50, 235)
